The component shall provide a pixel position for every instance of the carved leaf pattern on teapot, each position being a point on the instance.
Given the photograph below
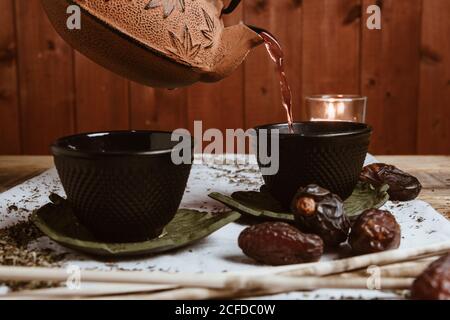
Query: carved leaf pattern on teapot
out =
(168, 6)
(184, 48)
(209, 32)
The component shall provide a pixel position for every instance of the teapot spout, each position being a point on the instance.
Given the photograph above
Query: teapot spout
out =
(236, 43)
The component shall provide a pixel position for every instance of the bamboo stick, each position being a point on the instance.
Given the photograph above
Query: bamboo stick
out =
(177, 294)
(291, 285)
(88, 290)
(364, 261)
(91, 290)
(281, 278)
(109, 291)
(212, 281)
(409, 269)
(400, 270)
(229, 285)
(131, 277)
(28, 297)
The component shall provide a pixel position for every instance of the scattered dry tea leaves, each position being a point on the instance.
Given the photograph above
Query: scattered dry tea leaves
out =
(14, 251)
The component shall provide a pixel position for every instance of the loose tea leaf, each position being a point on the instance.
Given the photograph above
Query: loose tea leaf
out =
(14, 251)
(59, 223)
(263, 206)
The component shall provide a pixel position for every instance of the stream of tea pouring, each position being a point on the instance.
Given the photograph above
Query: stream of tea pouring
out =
(277, 55)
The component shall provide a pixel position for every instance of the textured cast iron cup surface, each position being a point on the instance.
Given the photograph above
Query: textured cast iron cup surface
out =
(329, 154)
(122, 185)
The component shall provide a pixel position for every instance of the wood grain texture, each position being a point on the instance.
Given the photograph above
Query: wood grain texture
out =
(433, 135)
(47, 91)
(390, 76)
(45, 79)
(157, 109)
(434, 174)
(219, 105)
(331, 46)
(9, 103)
(102, 98)
(15, 170)
(262, 83)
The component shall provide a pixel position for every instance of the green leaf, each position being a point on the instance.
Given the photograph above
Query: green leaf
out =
(262, 205)
(58, 222)
(365, 197)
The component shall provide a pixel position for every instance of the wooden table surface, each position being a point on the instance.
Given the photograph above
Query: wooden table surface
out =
(432, 171)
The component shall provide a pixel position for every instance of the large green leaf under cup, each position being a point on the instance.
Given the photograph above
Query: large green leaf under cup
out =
(262, 205)
(57, 221)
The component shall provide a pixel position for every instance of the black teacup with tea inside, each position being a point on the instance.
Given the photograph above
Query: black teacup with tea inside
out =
(123, 186)
(329, 154)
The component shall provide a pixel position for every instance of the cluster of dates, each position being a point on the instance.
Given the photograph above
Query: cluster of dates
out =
(321, 223)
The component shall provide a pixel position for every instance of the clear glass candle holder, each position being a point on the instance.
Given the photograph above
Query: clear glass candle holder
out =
(351, 108)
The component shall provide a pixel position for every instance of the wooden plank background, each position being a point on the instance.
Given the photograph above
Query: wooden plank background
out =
(46, 80)
(48, 90)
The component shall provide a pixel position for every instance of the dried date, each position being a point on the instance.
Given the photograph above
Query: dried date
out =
(321, 212)
(402, 186)
(374, 231)
(434, 282)
(278, 243)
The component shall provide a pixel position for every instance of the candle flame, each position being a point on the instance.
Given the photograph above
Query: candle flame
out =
(334, 110)
(330, 111)
(341, 108)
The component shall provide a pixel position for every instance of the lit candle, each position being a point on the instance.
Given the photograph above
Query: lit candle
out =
(336, 108)
(334, 111)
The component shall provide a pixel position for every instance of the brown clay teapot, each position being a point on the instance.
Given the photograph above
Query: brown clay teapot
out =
(159, 43)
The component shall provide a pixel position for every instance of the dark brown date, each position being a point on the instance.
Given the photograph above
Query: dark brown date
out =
(434, 282)
(374, 231)
(278, 243)
(402, 186)
(321, 212)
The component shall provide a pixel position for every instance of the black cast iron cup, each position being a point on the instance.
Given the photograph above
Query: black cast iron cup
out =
(123, 185)
(329, 154)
